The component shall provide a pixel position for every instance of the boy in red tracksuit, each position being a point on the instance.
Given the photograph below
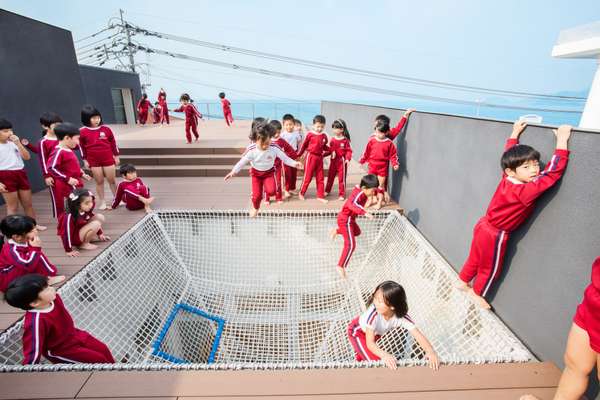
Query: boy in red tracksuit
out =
(315, 144)
(289, 151)
(395, 131)
(346, 221)
(48, 329)
(132, 190)
(156, 112)
(191, 117)
(341, 154)
(380, 151)
(226, 109)
(64, 165)
(162, 101)
(143, 107)
(514, 200)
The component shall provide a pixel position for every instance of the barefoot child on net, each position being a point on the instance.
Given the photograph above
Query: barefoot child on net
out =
(79, 226)
(513, 201)
(387, 309)
(48, 329)
(261, 154)
(346, 220)
(132, 191)
(22, 251)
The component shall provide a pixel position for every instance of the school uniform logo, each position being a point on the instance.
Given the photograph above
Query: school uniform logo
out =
(269, 157)
(102, 135)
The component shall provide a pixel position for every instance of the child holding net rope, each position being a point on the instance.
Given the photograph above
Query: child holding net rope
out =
(261, 154)
(387, 309)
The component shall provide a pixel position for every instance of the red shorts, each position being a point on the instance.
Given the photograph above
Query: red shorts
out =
(589, 323)
(379, 168)
(100, 160)
(15, 180)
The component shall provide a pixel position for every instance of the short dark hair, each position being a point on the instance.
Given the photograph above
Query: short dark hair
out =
(297, 122)
(126, 169)
(48, 118)
(16, 224)
(382, 126)
(287, 117)
(66, 129)
(369, 181)
(393, 295)
(255, 123)
(184, 97)
(383, 117)
(319, 119)
(24, 290)
(275, 124)
(87, 112)
(222, 95)
(517, 155)
(5, 124)
(264, 131)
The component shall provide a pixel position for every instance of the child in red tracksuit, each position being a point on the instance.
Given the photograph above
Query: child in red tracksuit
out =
(132, 190)
(395, 131)
(261, 154)
(21, 253)
(226, 109)
(48, 329)
(315, 144)
(164, 109)
(511, 204)
(289, 151)
(346, 221)
(79, 226)
(44, 149)
(99, 151)
(341, 154)
(380, 151)
(64, 165)
(191, 117)
(294, 139)
(156, 112)
(143, 106)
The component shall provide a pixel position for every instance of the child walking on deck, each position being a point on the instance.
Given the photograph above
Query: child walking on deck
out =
(226, 105)
(191, 117)
(289, 151)
(294, 138)
(341, 154)
(315, 145)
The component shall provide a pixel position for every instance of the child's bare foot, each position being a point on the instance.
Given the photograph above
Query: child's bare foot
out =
(146, 201)
(147, 210)
(102, 206)
(41, 228)
(88, 246)
(301, 197)
(528, 397)
(480, 301)
(461, 285)
(341, 271)
(286, 195)
(279, 201)
(326, 194)
(253, 212)
(386, 197)
(332, 234)
(293, 192)
(377, 206)
(267, 202)
(54, 280)
(341, 198)
(325, 201)
(188, 142)
(103, 238)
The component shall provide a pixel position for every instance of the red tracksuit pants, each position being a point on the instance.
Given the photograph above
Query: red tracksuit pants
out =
(348, 228)
(59, 193)
(164, 114)
(228, 117)
(290, 175)
(313, 166)
(84, 348)
(278, 186)
(193, 127)
(358, 340)
(262, 182)
(143, 116)
(337, 167)
(486, 257)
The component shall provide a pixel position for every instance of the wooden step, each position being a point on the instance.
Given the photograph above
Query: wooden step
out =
(194, 150)
(192, 170)
(182, 159)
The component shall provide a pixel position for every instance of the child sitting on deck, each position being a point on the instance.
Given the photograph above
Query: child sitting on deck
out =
(132, 190)
(261, 154)
(387, 309)
(48, 329)
(511, 204)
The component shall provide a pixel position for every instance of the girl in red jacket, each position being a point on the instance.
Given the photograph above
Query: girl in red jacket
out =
(99, 151)
(341, 154)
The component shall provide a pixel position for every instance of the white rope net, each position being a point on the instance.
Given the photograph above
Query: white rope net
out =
(264, 293)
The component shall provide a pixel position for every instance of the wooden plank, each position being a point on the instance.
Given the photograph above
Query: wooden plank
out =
(313, 382)
(37, 385)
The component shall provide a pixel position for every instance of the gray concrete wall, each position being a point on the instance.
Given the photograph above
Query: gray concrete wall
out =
(97, 84)
(450, 167)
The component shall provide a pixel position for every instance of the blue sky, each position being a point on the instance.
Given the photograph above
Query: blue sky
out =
(498, 44)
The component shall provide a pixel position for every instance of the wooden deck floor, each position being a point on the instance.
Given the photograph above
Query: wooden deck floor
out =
(500, 381)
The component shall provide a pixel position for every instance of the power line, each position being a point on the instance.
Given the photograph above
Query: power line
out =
(98, 41)
(347, 85)
(94, 34)
(356, 71)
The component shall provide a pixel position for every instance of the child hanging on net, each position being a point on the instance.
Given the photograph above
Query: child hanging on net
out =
(22, 251)
(379, 153)
(48, 329)
(261, 154)
(132, 190)
(341, 154)
(315, 145)
(387, 309)
(346, 220)
(79, 226)
(513, 201)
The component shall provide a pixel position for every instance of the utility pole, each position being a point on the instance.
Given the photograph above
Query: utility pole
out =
(131, 60)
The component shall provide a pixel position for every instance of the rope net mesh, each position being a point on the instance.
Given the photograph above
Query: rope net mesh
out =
(272, 280)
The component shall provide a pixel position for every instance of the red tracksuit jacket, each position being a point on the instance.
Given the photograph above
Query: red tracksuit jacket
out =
(68, 228)
(190, 111)
(354, 205)
(513, 203)
(393, 133)
(314, 143)
(97, 143)
(64, 165)
(286, 148)
(129, 192)
(226, 105)
(44, 149)
(341, 148)
(144, 105)
(18, 259)
(380, 151)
